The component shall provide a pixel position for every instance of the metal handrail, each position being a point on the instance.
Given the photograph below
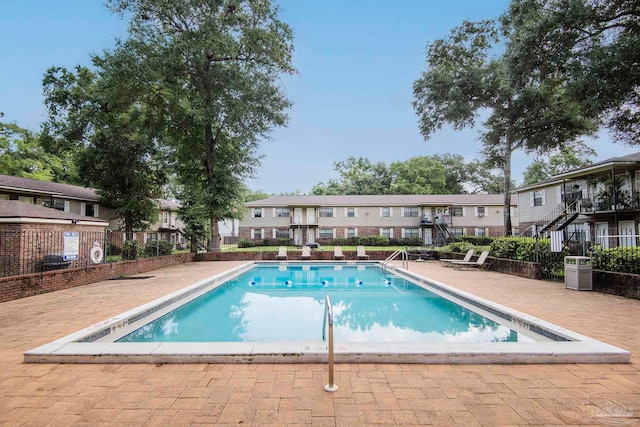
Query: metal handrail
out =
(328, 318)
(405, 259)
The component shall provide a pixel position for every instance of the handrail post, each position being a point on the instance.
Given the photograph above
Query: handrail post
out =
(328, 318)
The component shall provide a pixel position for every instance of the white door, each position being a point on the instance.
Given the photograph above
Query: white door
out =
(626, 228)
(297, 215)
(297, 236)
(311, 216)
(602, 234)
(428, 237)
(311, 235)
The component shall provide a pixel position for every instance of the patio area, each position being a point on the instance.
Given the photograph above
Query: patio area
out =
(149, 394)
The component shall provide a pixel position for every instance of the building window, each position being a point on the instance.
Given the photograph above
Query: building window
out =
(257, 233)
(411, 212)
(282, 233)
(351, 212)
(385, 232)
(457, 231)
(457, 211)
(90, 210)
(481, 211)
(410, 232)
(385, 212)
(152, 237)
(165, 217)
(55, 204)
(480, 232)
(257, 212)
(282, 212)
(351, 232)
(325, 233)
(326, 212)
(537, 198)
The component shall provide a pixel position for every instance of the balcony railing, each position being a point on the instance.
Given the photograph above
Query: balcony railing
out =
(303, 220)
(605, 204)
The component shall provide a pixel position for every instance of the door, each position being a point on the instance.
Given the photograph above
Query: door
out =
(311, 216)
(297, 216)
(428, 238)
(626, 230)
(297, 236)
(602, 234)
(311, 235)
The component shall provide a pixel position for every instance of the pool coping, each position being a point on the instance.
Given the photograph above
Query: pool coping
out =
(577, 349)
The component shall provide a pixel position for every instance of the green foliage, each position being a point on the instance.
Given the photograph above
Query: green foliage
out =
(340, 241)
(620, 259)
(567, 157)
(524, 249)
(283, 241)
(369, 240)
(458, 247)
(407, 241)
(245, 243)
(157, 248)
(130, 250)
(477, 241)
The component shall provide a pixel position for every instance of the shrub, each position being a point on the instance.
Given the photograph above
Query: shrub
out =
(130, 250)
(524, 249)
(283, 241)
(477, 240)
(408, 241)
(113, 249)
(458, 247)
(370, 240)
(245, 243)
(619, 260)
(340, 241)
(157, 248)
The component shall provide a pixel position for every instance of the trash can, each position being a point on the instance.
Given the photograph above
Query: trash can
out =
(578, 273)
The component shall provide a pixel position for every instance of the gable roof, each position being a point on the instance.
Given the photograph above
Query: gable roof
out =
(628, 160)
(56, 189)
(14, 210)
(383, 200)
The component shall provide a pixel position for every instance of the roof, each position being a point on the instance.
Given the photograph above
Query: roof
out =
(47, 188)
(630, 159)
(383, 200)
(17, 209)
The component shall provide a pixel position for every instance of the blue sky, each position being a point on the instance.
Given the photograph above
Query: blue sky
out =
(356, 60)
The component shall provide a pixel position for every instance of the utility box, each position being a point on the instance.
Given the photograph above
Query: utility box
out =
(578, 273)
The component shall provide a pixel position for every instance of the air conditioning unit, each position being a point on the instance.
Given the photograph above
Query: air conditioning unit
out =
(480, 215)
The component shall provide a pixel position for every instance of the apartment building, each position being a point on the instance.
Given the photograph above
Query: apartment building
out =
(431, 218)
(85, 203)
(598, 203)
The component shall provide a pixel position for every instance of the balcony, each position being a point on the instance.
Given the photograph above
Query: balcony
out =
(309, 220)
(604, 204)
(426, 223)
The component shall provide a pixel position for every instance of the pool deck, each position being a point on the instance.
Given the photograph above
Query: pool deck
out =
(284, 394)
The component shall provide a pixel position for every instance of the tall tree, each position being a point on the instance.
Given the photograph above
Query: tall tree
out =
(357, 176)
(591, 46)
(467, 73)
(569, 156)
(218, 64)
(418, 175)
(104, 116)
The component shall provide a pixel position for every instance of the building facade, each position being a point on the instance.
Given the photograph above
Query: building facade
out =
(599, 203)
(431, 218)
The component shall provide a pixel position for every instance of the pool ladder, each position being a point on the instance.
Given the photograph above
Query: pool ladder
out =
(396, 254)
(327, 318)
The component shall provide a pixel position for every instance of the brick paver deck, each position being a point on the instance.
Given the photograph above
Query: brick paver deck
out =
(467, 395)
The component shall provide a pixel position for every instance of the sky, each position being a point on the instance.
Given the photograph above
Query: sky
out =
(357, 61)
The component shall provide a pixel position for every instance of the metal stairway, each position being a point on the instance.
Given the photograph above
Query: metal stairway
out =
(555, 220)
(444, 234)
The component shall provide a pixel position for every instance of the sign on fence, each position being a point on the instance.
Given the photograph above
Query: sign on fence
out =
(71, 245)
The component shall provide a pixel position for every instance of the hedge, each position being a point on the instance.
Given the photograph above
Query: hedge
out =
(619, 260)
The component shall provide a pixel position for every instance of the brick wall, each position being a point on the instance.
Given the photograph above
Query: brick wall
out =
(39, 283)
(623, 284)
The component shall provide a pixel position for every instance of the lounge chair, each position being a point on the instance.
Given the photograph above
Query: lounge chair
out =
(447, 261)
(337, 253)
(479, 263)
(306, 252)
(362, 253)
(282, 253)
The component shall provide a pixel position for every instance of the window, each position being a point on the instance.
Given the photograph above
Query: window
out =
(480, 232)
(480, 211)
(457, 231)
(152, 237)
(385, 232)
(411, 212)
(282, 233)
(410, 232)
(385, 212)
(90, 209)
(351, 212)
(257, 233)
(165, 217)
(537, 198)
(457, 211)
(55, 204)
(257, 212)
(325, 233)
(282, 212)
(326, 212)
(351, 232)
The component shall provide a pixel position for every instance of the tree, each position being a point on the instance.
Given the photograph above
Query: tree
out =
(467, 74)
(218, 64)
(418, 175)
(570, 156)
(357, 176)
(104, 117)
(591, 46)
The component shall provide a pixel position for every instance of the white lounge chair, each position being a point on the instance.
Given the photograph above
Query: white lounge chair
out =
(282, 253)
(306, 252)
(337, 253)
(362, 253)
(479, 263)
(447, 261)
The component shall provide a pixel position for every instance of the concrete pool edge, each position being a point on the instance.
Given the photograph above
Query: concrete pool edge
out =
(580, 348)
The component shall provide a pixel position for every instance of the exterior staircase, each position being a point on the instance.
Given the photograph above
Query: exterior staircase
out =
(555, 220)
(444, 234)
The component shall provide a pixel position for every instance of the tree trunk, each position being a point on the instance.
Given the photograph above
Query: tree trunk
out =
(507, 190)
(214, 243)
(128, 227)
(194, 244)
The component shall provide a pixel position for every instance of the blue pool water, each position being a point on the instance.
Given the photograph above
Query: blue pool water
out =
(286, 303)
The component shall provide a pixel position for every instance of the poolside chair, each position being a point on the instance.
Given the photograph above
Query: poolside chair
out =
(479, 263)
(337, 253)
(447, 261)
(282, 253)
(362, 253)
(306, 252)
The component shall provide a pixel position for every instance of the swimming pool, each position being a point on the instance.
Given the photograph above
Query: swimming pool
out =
(520, 338)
